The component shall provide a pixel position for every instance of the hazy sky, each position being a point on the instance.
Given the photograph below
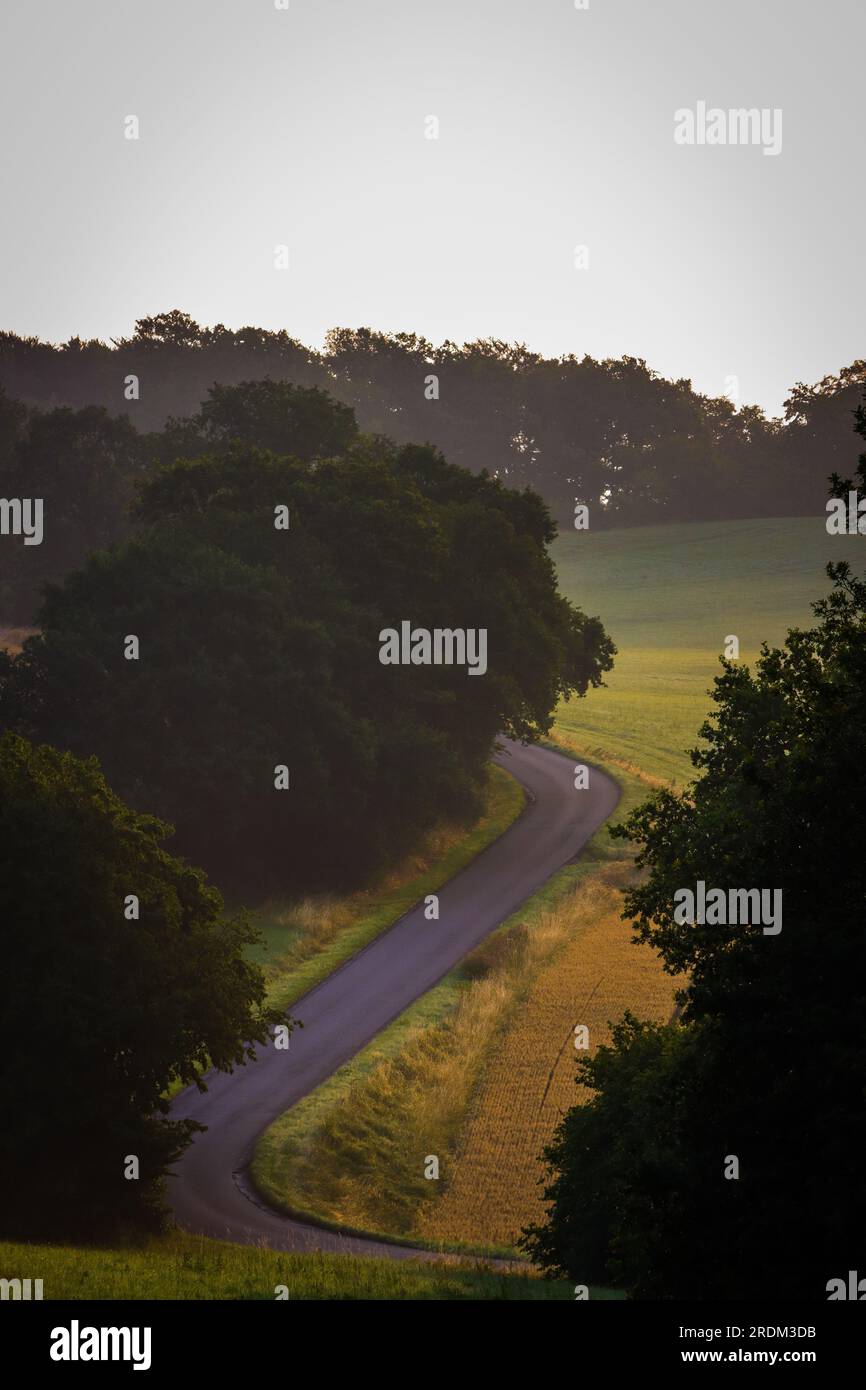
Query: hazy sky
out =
(306, 127)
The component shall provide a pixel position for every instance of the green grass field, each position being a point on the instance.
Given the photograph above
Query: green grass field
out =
(190, 1267)
(669, 596)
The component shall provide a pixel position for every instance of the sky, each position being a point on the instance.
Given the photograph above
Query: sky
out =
(308, 127)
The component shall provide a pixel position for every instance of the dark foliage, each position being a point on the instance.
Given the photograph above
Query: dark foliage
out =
(260, 647)
(101, 1014)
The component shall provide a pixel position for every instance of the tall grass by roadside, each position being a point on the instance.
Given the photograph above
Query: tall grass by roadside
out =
(303, 942)
(529, 1082)
(191, 1267)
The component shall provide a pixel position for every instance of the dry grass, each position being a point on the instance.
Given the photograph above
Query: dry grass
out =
(363, 1165)
(304, 941)
(568, 741)
(307, 926)
(492, 1187)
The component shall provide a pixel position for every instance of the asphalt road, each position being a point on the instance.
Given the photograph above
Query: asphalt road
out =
(209, 1192)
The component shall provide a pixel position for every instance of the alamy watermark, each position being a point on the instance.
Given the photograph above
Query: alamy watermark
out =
(439, 646)
(854, 1289)
(21, 1290)
(22, 516)
(846, 517)
(738, 126)
(729, 907)
(77, 1343)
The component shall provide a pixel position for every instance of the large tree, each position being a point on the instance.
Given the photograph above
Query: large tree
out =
(302, 421)
(103, 1005)
(259, 648)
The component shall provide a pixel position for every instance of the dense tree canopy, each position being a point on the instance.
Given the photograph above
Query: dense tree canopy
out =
(102, 1012)
(306, 423)
(84, 465)
(259, 647)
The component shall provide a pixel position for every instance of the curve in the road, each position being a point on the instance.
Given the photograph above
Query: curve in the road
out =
(209, 1191)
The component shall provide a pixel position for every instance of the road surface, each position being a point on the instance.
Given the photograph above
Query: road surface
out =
(209, 1192)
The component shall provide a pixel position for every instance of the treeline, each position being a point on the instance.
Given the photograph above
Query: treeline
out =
(636, 447)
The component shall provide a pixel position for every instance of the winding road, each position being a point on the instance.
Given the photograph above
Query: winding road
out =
(209, 1192)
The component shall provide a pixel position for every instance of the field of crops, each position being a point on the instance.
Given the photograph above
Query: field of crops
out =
(353, 1153)
(493, 1187)
(669, 596)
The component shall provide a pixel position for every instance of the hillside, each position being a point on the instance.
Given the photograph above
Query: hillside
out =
(669, 596)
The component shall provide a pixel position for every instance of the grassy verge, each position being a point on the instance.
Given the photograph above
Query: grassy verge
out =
(190, 1267)
(589, 974)
(303, 942)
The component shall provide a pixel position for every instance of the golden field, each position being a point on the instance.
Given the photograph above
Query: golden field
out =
(493, 1188)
